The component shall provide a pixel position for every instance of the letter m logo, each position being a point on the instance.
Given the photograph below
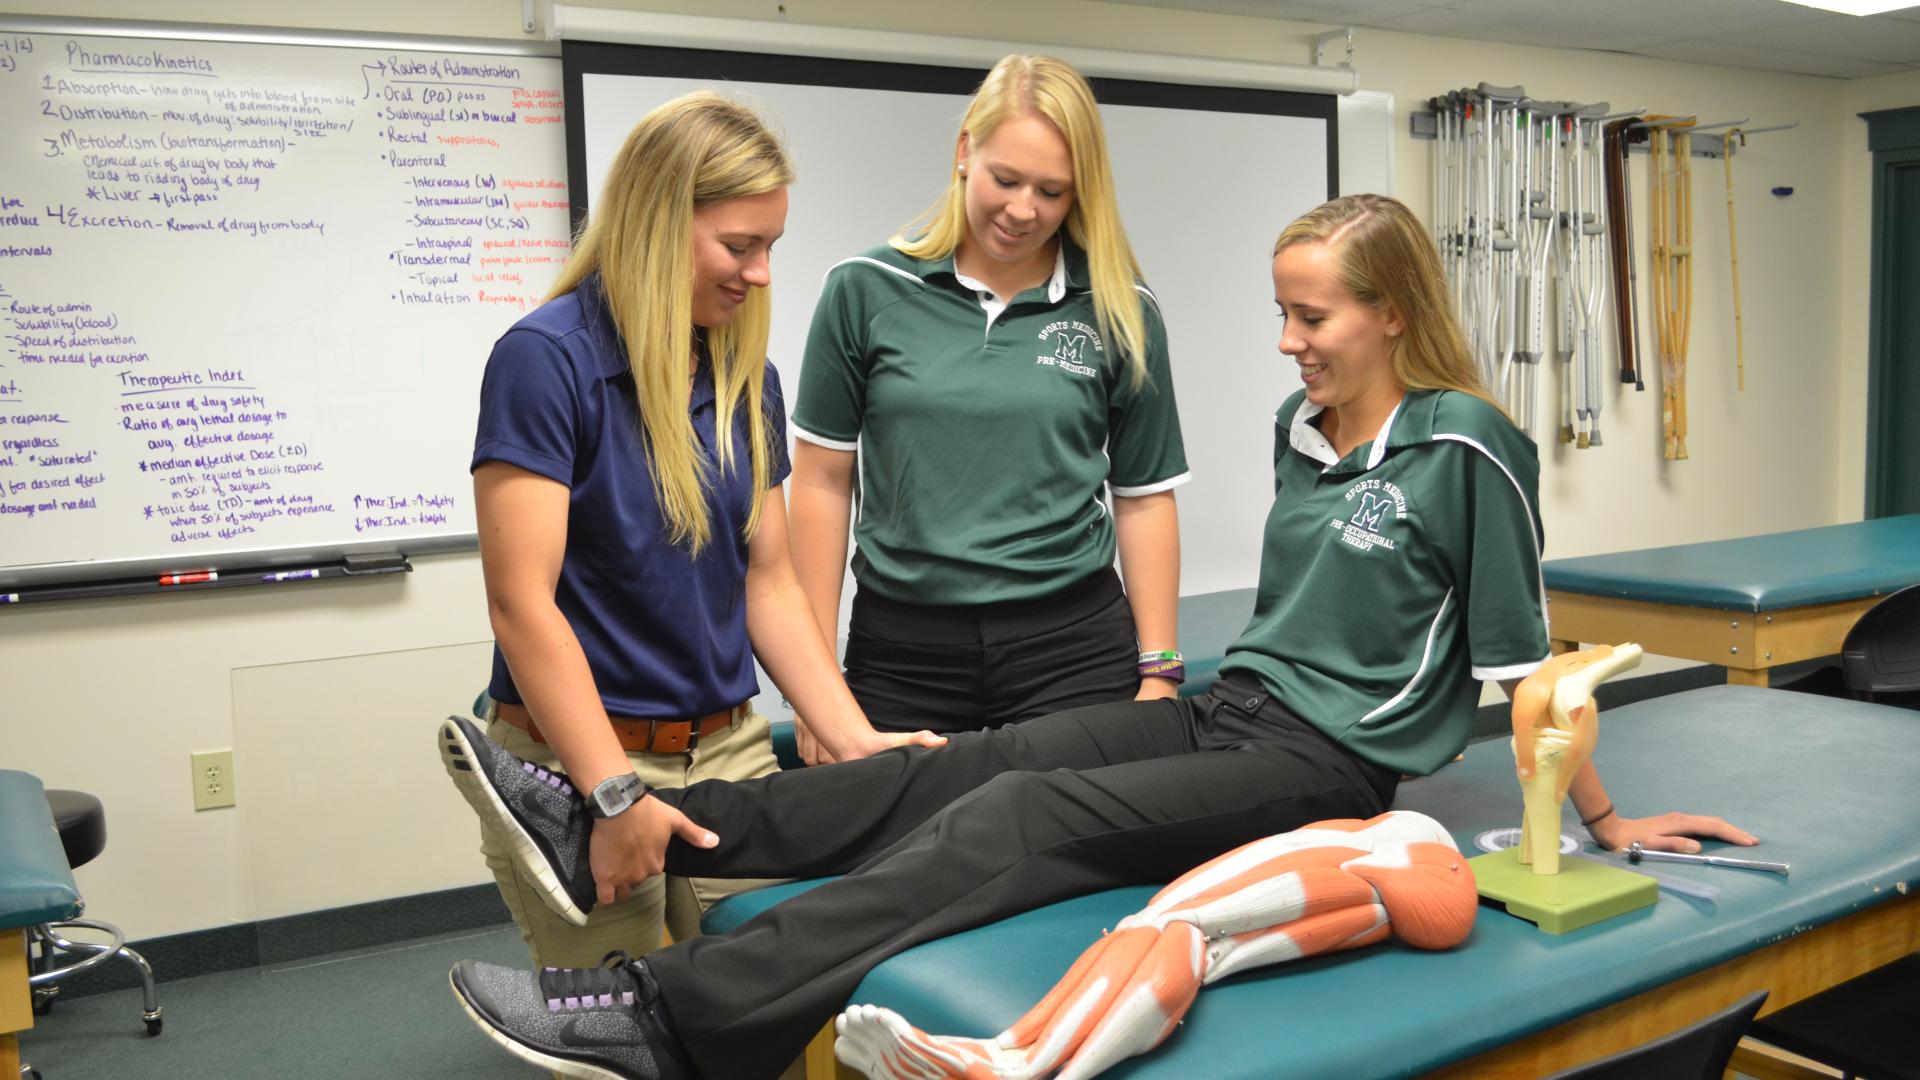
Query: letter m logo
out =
(1069, 347)
(1368, 516)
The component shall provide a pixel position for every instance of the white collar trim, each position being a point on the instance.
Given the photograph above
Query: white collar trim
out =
(1304, 437)
(1056, 285)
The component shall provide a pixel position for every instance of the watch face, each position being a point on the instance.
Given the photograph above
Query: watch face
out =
(609, 801)
(614, 795)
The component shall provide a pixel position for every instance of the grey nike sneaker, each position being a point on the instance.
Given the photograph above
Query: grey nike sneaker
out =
(604, 1023)
(543, 819)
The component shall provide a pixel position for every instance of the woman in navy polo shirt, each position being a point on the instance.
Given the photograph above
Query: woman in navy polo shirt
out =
(999, 372)
(627, 476)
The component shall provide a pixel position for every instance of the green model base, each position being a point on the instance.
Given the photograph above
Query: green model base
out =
(1581, 894)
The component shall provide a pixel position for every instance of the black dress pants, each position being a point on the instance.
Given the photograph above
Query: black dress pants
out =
(949, 669)
(933, 842)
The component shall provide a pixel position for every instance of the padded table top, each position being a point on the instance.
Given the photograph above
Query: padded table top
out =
(1789, 768)
(1755, 573)
(36, 885)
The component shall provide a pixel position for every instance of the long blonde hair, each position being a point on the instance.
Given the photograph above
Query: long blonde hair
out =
(692, 151)
(1050, 88)
(1387, 261)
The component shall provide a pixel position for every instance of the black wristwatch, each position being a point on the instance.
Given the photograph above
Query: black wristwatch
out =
(615, 794)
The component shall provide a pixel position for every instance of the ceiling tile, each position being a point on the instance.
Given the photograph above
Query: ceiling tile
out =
(1870, 39)
(1655, 20)
(1731, 54)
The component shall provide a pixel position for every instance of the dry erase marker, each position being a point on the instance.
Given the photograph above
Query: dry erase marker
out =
(290, 575)
(9, 597)
(191, 578)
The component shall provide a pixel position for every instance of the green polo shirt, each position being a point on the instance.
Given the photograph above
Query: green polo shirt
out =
(987, 435)
(1395, 579)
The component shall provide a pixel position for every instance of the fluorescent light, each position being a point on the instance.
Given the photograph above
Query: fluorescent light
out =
(1856, 7)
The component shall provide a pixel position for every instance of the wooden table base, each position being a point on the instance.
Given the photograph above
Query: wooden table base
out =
(1746, 643)
(1790, 971)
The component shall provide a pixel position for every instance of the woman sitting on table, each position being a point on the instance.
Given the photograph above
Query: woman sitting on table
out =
(627, 476)
(998, 371)
(1400, 569)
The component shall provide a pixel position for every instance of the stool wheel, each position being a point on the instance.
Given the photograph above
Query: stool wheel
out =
(153, 1027)
(43, 1001)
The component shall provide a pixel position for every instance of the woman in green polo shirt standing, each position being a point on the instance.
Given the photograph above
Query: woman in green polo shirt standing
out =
(999, 371)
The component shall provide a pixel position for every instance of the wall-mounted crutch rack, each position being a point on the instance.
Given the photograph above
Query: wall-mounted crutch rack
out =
(1532, 213)
(1424, 124)
(1520, 214)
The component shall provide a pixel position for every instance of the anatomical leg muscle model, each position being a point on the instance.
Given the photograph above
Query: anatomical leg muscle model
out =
(1325, 887)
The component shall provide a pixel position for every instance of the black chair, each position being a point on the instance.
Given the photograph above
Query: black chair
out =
(1696, 1052)
(1867, 1027)
(1882, 651)
(1880, 658)
(82, 822)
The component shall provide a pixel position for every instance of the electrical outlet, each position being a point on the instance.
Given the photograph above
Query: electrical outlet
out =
(212, 779)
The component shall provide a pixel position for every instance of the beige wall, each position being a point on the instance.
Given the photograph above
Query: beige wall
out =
(328, 696)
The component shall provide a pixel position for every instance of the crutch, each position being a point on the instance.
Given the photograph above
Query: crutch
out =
(1588, 224)
(1502, 103)
(1567, 255)
(1672, 262)
(1543, 186)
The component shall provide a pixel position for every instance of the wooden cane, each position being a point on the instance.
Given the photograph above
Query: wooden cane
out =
(1620, 240)
(1733, 249)
(1683, 268)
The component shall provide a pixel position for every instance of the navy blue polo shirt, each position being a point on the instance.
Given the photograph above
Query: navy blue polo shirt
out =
(665, 634)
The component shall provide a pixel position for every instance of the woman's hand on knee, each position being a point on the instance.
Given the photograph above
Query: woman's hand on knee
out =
(875, 741)
(811, 749)
(627, 849)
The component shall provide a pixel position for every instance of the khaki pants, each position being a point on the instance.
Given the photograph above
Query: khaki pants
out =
(672, 904)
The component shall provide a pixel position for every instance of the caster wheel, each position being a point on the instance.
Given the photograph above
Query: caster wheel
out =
(42, 1005)
(153, 1027)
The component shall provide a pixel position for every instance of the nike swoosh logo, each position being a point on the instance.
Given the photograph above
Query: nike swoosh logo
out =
(531, 804)
(570, 1037)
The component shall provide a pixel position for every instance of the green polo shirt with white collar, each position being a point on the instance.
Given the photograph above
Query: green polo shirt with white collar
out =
(988, 434)
(1395, 579)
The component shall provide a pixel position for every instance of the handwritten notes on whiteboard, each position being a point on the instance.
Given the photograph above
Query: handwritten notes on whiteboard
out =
(247, 291)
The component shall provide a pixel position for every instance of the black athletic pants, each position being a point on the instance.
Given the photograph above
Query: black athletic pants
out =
(913, 666)
(998, 822)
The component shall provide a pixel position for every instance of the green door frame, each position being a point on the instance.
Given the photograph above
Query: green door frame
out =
(1893, 135)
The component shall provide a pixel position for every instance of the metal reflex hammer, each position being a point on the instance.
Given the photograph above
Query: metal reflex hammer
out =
(1635, 853)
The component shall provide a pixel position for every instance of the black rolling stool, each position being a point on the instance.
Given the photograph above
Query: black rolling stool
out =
(83, 832)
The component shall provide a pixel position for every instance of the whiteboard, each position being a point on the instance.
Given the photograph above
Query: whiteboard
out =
(248, 292)
(1207, 177)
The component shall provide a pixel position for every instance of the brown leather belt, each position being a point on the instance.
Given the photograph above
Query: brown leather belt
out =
(638, 736)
